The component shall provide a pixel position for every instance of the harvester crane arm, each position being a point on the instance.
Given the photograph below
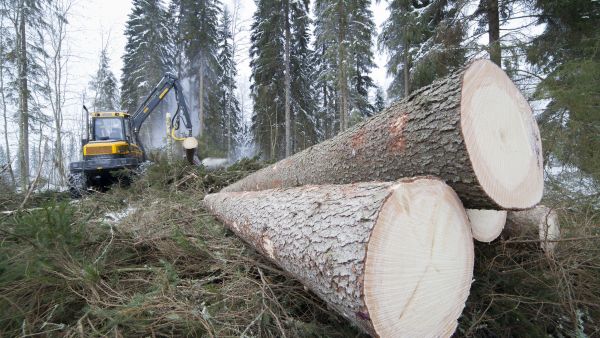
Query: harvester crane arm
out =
(168, 82)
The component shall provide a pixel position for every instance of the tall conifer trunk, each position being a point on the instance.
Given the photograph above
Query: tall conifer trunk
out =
(288, 80)
(201, 100)
(23, 97)
(494, 32)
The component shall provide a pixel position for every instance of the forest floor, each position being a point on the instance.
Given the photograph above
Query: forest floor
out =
(148, 260)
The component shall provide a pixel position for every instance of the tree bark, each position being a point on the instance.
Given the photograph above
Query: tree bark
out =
(342, 67)
(396, 259)
(4, 115)
(472, 129)
(493, 18)
(23, 101)
(486, 225)
(406, 69)
(201, 100)
(540, 223)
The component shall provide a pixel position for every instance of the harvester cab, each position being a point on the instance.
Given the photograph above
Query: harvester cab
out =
(113, 142)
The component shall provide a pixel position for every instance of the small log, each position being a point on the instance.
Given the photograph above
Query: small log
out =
(486, 224)
(539, 222)
(396, 259)
(473, 129)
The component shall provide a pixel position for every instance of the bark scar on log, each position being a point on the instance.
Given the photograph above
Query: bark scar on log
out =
(397, 142)
(357, 141)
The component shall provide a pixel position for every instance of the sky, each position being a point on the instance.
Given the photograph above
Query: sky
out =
(97, 22)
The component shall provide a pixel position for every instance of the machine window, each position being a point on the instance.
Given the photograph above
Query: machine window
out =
(108, 129)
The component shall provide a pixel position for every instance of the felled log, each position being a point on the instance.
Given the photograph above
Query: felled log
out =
(473, 129)
(396, 259)
(540, 223)
(486, 224)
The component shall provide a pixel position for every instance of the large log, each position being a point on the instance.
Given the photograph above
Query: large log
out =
(473, 129)
(396, 259)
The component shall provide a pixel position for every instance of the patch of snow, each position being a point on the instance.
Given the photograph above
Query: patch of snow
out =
(116, 216)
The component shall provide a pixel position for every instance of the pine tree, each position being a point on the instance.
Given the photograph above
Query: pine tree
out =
(268, 73)
(104, 86)
(567, 51)
(344, 33)
(423, 41)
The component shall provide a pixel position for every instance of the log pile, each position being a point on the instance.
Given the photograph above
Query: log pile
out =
(374, 220)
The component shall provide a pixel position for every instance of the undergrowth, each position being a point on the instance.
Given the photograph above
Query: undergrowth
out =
(148, 260)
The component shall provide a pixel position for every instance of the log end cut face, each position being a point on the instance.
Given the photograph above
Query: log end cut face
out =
(501, 137)
(419, 262)
(486, 225)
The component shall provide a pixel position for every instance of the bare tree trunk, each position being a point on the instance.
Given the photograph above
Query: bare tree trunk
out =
(406, 70)
(342, 67)
(201, 100)
(395, 259)
(473, 129)
(23, 99)
(55, 72)
(493, 18)
(4, 113)
(288, 81)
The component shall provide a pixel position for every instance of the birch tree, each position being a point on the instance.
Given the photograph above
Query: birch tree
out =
(55, 63)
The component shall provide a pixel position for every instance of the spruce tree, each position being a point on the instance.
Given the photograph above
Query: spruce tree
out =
(146, 53)
(325, 74)
(361, 29)
(379, 103)
(224, 130)
(303, 106)
(146, 60)
(422, 39)
(567, 51)
(267, 52)
(104, 86)
(343, 36)
(198, 21)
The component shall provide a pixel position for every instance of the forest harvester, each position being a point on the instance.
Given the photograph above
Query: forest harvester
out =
(113, 142)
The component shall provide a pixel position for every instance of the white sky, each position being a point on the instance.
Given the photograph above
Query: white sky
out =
(94, 22)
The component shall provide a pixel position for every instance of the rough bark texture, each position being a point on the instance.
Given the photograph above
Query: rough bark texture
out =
(23, 102)
(420, 135)
(288, 81)
(493, 18)
(329, 256)
(320, 235)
